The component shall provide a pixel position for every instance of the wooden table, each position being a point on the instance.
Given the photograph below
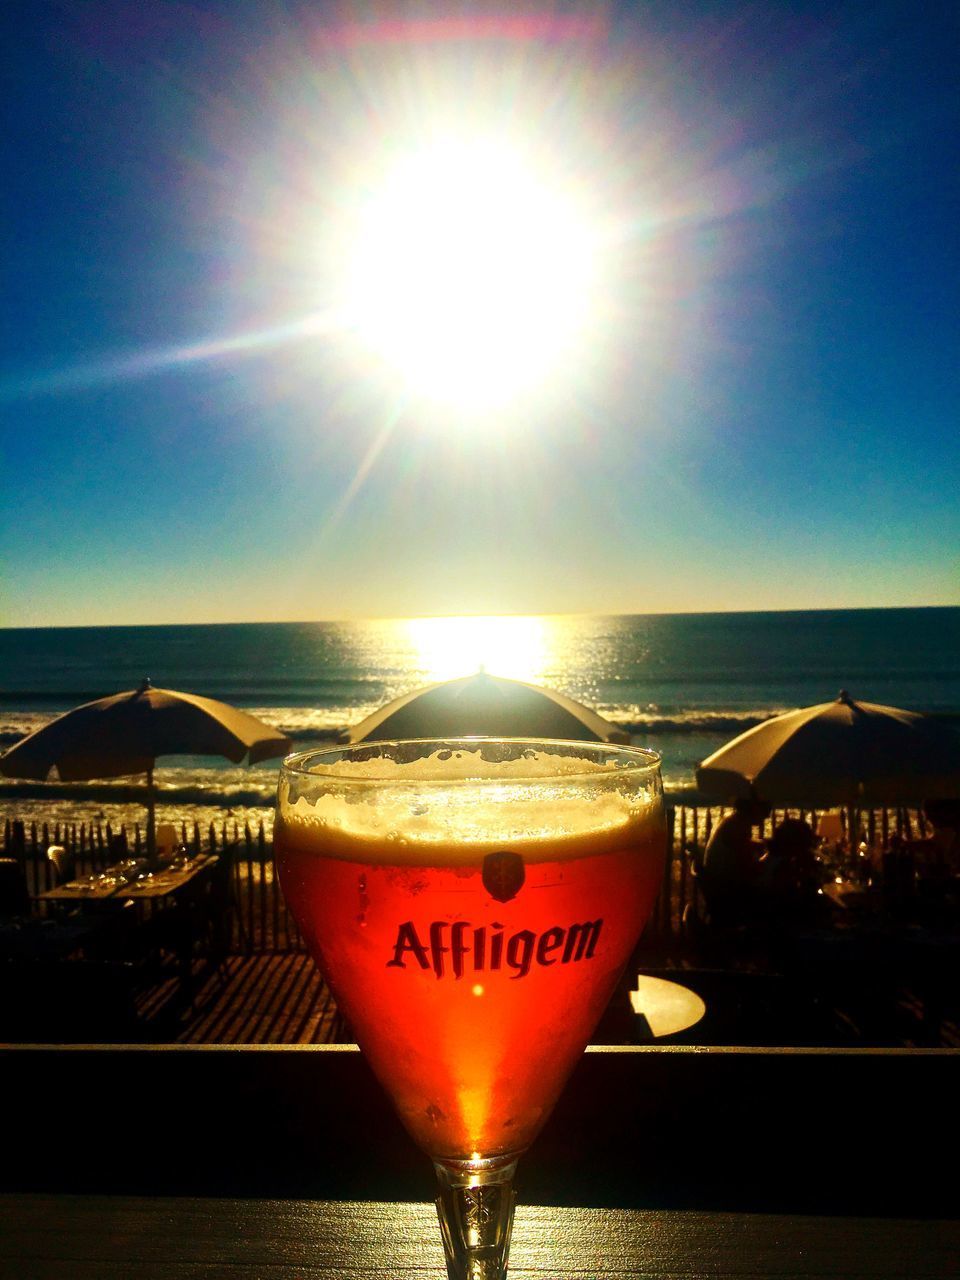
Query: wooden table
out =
(849, 896)
(156, 1238)
(109, 886)
(80, 891)
(174, 882)
(664, 1008)
(111, 890)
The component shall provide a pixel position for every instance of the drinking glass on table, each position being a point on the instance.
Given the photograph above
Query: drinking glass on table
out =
(472, 904)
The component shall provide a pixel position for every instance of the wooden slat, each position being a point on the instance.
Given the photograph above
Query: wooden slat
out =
(275, 899)
(262, 999)
(248, 868)
(677, 845)
(261, 859)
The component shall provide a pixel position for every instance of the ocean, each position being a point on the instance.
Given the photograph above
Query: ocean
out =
(681, 683)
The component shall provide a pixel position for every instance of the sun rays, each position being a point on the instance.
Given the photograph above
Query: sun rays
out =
(111, 369)
(468, 231)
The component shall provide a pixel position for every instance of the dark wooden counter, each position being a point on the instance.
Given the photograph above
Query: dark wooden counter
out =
(184, 1162)
(812, 1131)
(102, 1238)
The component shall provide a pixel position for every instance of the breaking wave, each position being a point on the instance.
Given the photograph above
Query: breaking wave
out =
(693, 722)
(306, 725)
(252, 795)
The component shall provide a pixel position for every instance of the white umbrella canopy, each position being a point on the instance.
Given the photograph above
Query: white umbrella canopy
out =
(125, 734)
(487, 706)
(838, 753)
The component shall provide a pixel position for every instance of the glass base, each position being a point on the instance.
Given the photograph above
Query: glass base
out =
(475, 1206)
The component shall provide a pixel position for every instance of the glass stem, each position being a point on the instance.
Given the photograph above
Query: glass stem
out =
(475, 1206)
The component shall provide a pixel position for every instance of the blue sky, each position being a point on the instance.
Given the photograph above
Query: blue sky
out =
(765, 416)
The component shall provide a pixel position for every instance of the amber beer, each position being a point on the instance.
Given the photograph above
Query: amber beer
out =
(472, 934)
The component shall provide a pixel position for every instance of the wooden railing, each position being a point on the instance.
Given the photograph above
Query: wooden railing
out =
(262, 921)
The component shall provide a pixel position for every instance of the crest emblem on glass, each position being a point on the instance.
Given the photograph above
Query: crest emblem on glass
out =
(472, 904)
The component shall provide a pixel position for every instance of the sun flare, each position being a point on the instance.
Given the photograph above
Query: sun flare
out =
(470, 271)
(444, 648)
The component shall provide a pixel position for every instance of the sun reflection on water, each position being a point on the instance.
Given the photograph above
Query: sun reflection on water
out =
(515, 647)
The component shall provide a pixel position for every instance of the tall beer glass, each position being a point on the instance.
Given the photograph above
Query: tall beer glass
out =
(472, 905)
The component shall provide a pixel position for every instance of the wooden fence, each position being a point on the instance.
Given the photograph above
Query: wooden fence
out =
(263, 923)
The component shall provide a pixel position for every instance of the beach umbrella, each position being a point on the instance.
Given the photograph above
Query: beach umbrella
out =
(485, 706)
(838, 753)
(125, 733)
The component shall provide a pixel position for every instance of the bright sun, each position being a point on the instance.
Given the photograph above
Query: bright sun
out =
(469, 273)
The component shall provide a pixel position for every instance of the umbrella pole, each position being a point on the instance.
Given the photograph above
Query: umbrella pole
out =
(151, 816)
(853, 838)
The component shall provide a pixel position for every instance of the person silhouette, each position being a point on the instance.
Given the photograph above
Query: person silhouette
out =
(731, 863)
(790, 876)
(938, 854)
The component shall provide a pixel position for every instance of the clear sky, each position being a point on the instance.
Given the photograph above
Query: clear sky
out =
(759, 405)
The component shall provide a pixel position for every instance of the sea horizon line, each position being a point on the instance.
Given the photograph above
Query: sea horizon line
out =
(365, 618)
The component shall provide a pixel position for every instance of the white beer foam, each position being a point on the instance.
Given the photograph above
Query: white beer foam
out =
(464, 817)
(469, 763)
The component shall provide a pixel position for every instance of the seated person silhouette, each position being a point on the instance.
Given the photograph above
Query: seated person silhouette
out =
(790, 876)
(938, 854)
(731, 865)
(936, 860)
